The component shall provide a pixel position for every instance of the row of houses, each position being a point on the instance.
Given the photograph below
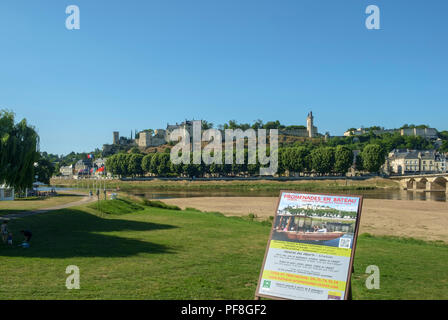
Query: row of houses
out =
(405, 161)
(85, 167)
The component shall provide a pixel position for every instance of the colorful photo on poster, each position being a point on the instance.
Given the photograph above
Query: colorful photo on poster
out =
(309, 254)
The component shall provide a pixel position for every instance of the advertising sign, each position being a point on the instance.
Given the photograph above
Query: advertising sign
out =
(311, 247)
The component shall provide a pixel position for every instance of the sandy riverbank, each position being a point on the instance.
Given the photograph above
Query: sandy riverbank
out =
(426, 220)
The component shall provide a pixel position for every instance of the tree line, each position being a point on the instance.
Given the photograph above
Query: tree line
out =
(320, 160)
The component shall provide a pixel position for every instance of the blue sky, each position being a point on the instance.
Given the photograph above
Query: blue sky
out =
(141, 64)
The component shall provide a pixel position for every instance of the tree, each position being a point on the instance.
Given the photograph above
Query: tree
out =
(135, 164)
(294, 159)
(322, 159)
(18, 151)
(146, 163)
(163, 167)
(122, 163)
(135, 150)
(44, 170)
(444, 146)
(343, 159)
(206, 125)
(373, 157)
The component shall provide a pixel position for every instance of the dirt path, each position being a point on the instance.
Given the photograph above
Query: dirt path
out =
(426, 220)
(84, 200)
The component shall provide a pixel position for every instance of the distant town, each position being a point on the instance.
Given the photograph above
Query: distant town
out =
(407, 150)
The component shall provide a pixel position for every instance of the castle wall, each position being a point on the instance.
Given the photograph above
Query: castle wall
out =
(144, 139)
(295, 132)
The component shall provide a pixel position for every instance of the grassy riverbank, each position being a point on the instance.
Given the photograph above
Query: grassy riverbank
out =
(18, 205)
(155, 253)
(239, 185)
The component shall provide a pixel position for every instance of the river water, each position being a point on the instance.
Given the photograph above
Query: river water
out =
(369, 194)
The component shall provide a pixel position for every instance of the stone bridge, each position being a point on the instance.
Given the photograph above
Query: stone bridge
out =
(424, 182)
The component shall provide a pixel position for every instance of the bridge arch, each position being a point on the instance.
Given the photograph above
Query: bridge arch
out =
(410, 184)
(438, 184)
(420, 184)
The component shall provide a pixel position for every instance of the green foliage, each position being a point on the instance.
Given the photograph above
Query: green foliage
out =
(373, 157)
(294, 159)
(117, 206)
(146, 162)
(412, 126)
(322, 159)
(444, 146)
(135, 150)
(44, 170)
(160, 204)
(18, 151)
(206, 125)
(135, 164)
(343, 159)
(191, 253)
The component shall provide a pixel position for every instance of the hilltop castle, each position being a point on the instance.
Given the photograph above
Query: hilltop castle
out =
(158, 137)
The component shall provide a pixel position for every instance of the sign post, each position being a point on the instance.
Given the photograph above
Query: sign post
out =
(311, 247)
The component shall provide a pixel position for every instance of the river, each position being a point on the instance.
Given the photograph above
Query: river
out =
(369, 194)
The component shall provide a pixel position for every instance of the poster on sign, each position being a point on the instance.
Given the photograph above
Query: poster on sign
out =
(311, 247)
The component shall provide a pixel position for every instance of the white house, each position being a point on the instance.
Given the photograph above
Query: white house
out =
(6, 193)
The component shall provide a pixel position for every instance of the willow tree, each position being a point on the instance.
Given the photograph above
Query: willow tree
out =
(18, 151)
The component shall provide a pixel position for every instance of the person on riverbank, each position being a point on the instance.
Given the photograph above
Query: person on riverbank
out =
(9, 239)
(4, 230)
(27, 234)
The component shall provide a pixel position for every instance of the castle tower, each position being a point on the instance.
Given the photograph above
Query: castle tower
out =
(116, 139)
(310, 124)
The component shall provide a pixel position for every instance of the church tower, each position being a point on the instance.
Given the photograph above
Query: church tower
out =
(310, 124)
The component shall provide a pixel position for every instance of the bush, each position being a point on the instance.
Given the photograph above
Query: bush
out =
(159, 204)
(117, 206)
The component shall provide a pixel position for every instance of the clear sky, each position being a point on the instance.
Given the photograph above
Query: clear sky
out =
(140, 64)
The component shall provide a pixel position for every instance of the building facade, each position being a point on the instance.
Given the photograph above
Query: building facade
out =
(427, 133)
(66, 171)
(415, 162)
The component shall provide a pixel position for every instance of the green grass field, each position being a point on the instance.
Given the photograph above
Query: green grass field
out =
(156, 253)
(20, 205)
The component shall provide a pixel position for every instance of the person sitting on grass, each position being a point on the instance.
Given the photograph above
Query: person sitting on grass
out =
(27, 234)
(4, 230)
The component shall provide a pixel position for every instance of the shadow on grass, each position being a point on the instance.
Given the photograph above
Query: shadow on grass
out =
(74, 233)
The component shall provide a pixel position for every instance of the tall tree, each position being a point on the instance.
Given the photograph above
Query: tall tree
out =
(135, 164)
(44, 170)
(322, 159)
(18, 151)
(343, 159)
(373, 157)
